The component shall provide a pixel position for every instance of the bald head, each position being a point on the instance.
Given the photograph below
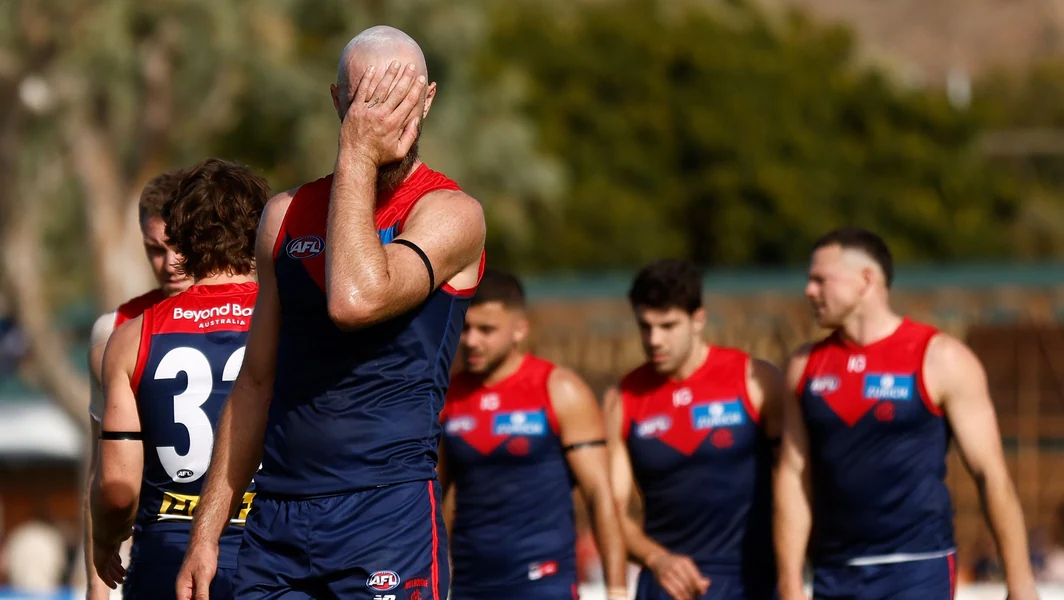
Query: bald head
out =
(377, 46)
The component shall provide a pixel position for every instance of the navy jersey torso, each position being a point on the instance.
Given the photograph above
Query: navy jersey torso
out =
(702, 463)
(514, 509)
(354, 410)
(192, 346)
(877, 450)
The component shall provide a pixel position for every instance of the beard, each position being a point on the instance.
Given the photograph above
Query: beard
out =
(392, 175)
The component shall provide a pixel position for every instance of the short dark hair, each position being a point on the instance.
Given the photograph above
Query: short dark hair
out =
(213, 218)
(499, 286)
(857, 238)
(668, 283)
(157, 192)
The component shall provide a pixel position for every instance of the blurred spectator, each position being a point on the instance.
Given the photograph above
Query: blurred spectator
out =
(35, 558)
(12, 346)
(986, 567)
(1051, 569)
(588, 560)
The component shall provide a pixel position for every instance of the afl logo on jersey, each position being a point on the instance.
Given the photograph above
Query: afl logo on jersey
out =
(653, 427)
(383, 581)
(460, 425)
(184, 474)
(824, 384)
(307, 246)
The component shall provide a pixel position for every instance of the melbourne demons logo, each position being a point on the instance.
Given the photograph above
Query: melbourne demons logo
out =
(307, 246)
(383, 581)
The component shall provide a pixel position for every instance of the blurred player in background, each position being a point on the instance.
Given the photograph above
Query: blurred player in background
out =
(517, 431)
(166, 376)
(365, 277)
(864, 446)
(694, 428)
(163, 263)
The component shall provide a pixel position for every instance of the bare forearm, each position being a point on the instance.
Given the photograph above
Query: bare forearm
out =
(356, 267)
(792, 523)
(237, 452)
(610, 539)
(113, 510)
(641, 548)
(1005, 516)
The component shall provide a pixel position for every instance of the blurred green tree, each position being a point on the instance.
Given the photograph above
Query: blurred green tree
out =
(734, 138)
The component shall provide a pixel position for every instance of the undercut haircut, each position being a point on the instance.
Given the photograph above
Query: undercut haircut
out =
(668, 283)
(213, 218)
(157, 192)
(500, 286)
(864, 241)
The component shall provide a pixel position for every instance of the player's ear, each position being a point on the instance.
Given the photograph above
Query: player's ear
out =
(430, 93)
(520, 328)
(698, 319)
(335, 92)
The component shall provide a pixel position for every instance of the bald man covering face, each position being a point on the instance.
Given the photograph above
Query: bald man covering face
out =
(365, 277)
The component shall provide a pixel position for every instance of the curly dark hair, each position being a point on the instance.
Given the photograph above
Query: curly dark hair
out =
(157, 192)
(213, 218)
(668, 283)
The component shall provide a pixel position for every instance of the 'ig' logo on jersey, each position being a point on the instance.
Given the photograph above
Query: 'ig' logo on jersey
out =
(307, 246)
(489, 401)
(682, 397)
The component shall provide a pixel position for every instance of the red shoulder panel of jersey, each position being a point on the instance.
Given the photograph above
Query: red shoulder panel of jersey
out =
(722, 376)
(902, 351)
(199, 309)
(304, 224)
(136, 306)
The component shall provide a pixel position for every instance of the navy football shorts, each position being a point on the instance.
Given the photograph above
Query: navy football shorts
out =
(386, 543)
(929, 579)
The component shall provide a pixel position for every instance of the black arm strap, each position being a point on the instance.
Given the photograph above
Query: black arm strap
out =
(579, 445)
(121, 435)
(424, 258)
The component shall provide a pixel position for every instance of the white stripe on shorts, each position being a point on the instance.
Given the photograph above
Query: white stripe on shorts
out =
(901, 557)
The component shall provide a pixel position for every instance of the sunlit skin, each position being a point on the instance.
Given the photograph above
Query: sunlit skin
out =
(491, 340)
(672, 339)
(847, 291)
(162, 258)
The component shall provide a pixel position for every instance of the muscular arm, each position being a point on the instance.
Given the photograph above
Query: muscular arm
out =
(242, 423)
(641, 548)
(954, 376)
(366, 281)
(793, 518)
(101, 331)
(767, 391)
(116, 489)
(580, 421)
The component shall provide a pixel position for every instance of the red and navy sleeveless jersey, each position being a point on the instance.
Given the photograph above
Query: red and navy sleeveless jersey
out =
(354, 410)
(135, 307)
(191, 349)
(877, 448)
(702, 463)
(513, 488)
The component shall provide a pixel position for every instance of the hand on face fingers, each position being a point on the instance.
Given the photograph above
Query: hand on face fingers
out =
(381, 124)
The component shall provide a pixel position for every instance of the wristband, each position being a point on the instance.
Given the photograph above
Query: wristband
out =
(617, 593)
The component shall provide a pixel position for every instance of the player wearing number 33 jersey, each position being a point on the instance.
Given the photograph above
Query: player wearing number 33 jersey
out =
(166, 376)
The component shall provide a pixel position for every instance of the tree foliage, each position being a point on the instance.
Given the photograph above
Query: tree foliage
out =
(735, 139)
